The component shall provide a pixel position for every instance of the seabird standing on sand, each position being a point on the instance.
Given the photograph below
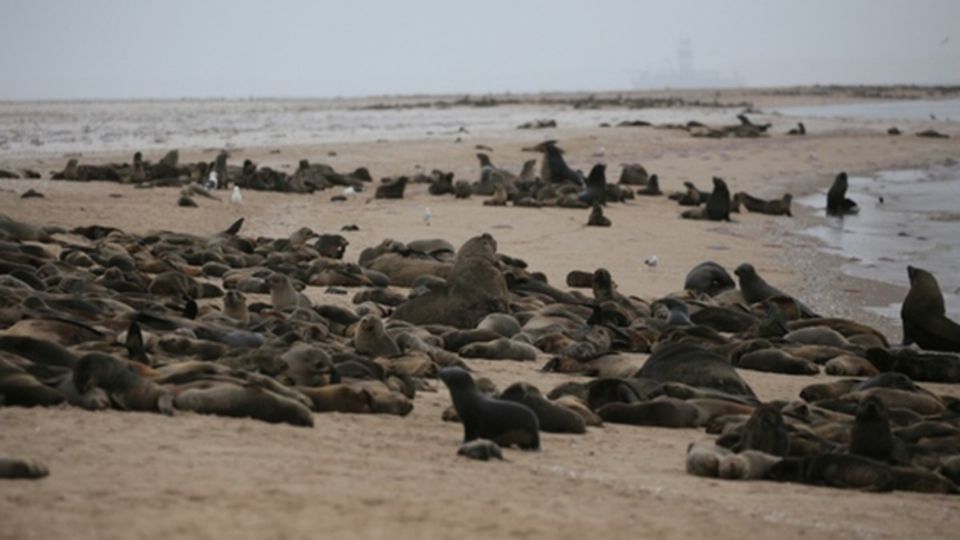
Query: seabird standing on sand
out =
(235, 197)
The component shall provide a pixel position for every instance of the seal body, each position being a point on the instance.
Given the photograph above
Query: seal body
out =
(503, 422)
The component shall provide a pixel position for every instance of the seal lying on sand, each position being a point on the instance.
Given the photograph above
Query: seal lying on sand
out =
(924, 314)
(504, 422)
(755, 289)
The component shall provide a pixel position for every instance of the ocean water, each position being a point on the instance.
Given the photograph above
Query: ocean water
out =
(947, 110)
(907, 217)
(29, 128)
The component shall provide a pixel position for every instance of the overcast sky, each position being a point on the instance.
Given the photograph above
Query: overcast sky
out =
(52, 49)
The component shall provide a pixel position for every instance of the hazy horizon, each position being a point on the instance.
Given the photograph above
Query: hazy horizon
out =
(111, 49)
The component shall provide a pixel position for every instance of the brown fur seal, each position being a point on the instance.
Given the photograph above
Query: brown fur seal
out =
(747, 465)
(597, 219)
(695, 366)
(475, 288)
(850, 366)
(503, 422)
(391, 188)
(652, 189)
(342, 398)
(247, 401)
(500, 349)
(372, 340)
(755, 289)
(871, 436)
(282, 294)
(553, 418)
(837, 202)
(235, 306)
(704, 460)
(122, 382)
(481, 450)
(775, 207)
(776, 361)
(766, 432)
(834, 470)
(19, 388)
(924, 314)
(12, 468)
(499, 197)
(718, 204)
(665, 412)
(633, 174)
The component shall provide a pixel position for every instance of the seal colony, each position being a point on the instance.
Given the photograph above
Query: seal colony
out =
(96, 318)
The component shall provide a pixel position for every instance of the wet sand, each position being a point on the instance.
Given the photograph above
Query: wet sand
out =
(122, 475)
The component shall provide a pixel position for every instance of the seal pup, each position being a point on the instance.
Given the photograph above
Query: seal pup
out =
(837, 202)
(923, 314)
(504, 422)
(747, 465)
(481, 450)
(703, 460)
(597, 219)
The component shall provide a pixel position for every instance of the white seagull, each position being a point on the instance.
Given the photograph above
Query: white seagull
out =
(652, 261)
(235, 197)
(212, 183)
(426, 215)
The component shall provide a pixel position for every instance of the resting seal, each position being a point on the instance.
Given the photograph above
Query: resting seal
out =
(503, 422)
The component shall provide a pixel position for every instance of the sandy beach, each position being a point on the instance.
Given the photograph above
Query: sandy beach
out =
(134, 475)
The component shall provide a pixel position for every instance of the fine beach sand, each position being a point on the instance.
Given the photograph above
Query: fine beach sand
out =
(131, 475)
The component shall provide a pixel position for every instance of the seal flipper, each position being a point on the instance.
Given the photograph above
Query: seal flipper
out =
(134, 344)
(235, 228)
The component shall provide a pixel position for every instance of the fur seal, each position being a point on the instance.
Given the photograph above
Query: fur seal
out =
(371, 338)
(849, 365)
(766, 432)
(552, 418)
(282, 294)
(924, 314)
(596, 189)
(121, 381)
(746, 465)
(504, 422)
(553, 168)
(20, 388)
(235, 306)
(708, 278)
(718, 204)
(248, 401)
(500, 349)
(695, 366)
(776, 361)
(871, 436)
(391, 188)
(837, 202)
(499, 197)
(633, 174)
(597, 219)
(481, 450)
(775, 207)
(342, 398)
(663, 412)
(652, 188)
(755, 289)
(13, 468)
(799, 130)
(834, 470)
(704, 460)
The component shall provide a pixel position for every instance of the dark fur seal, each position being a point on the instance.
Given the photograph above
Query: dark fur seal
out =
(596, 191)
(247, 401)
(718, 204)
(665, 412)
(695, 366)
(837, 202)
(391, 188)
(503, 422)
(924, 314)
(765, 431)
(553, 168)
(552, 417)
(127, 389)
(652, 189)
(755, 289)
(871, 436)
(775, 207)
(12, 468)
(597, 219)
(708, 278)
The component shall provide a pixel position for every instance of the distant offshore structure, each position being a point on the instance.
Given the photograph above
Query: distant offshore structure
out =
(684, 75)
